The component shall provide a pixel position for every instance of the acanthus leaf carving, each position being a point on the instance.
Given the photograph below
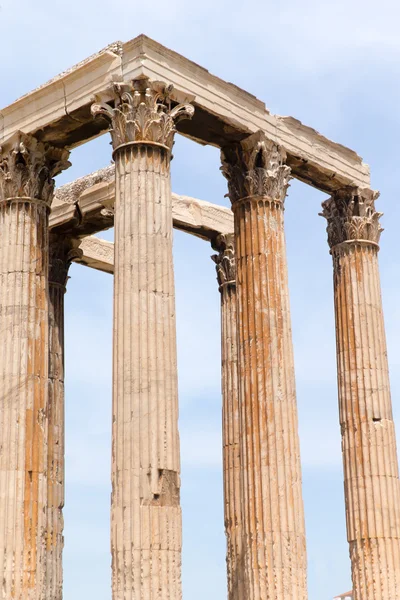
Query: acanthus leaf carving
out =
(351, 216)
(28, 168)
(225, 259)
(256, 167)
(142, 112)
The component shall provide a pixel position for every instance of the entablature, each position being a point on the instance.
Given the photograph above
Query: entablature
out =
(86, 206)
(59, 111)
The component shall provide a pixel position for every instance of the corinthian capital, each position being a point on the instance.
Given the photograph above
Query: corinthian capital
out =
(255, 167)
(142, 112)
(27, 168)
(62, 251)
(225, 259)
(351, 216)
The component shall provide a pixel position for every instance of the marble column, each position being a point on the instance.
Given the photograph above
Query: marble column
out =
(146, 516)
(61, 254)
(371, 475)
(226, 276)
(27, 168)
(272, 505)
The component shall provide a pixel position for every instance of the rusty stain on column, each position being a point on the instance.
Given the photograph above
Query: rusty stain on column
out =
(146, 537)
(371, 475)
(226, 275)
(271, 489)
(27, 168)
(61, 254)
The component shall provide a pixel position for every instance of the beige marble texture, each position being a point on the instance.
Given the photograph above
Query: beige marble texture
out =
(143, 94)
(86, 205)
(61, 253)
(26, 191)
(60, 111)
(371, 473)
(271, 491)
(226, 276)
(146, 529)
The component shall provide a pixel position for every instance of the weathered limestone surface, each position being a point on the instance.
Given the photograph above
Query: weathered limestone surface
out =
(146, 515)
(371, 475)
(26, 189)
(95, 253)
(273, 514)
(262, 475)
(226, 275)
(87, 205)
(59, 111)
(70, 193)
(197, 217)
(61, 252)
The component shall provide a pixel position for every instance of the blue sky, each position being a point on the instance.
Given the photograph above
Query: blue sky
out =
(335, 65)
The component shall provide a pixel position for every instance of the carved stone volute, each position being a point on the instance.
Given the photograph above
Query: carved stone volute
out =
(255, 167)
(225, 259)
(352, 217)
(28, 168)
(142, 112)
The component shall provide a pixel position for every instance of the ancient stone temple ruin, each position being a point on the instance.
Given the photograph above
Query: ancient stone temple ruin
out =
(144, 95)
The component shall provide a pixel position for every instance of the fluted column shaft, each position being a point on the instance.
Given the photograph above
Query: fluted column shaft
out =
(61, 254)
(371, 475)
(272, 506)
(226, 275)
(25, 194)
(146, 537)
(146, 514)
